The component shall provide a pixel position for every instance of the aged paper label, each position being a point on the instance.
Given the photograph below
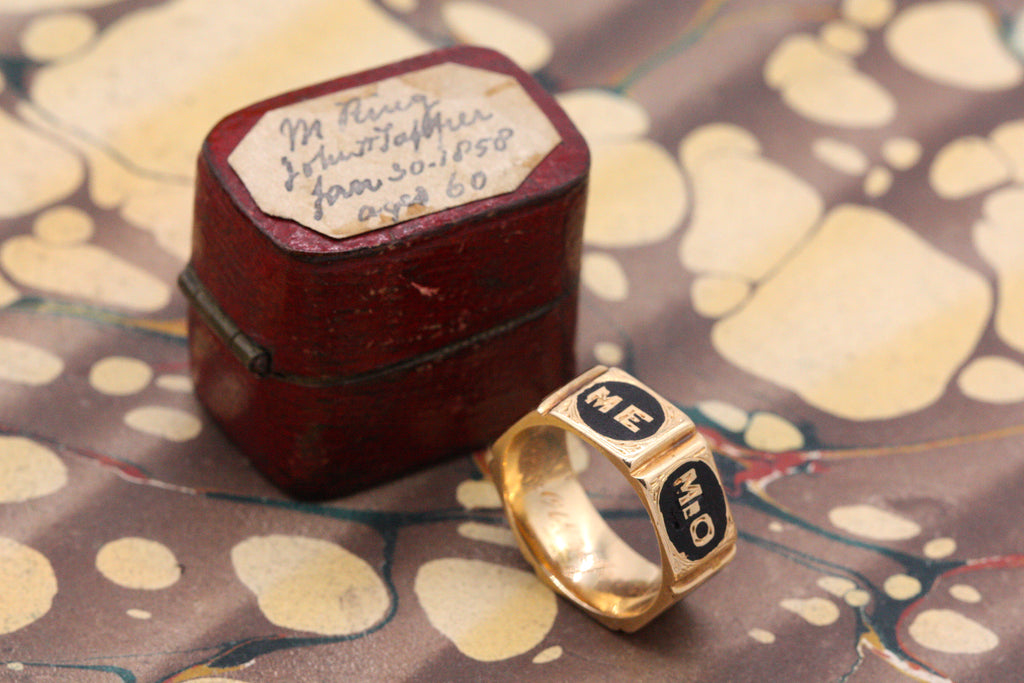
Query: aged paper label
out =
(382, 153)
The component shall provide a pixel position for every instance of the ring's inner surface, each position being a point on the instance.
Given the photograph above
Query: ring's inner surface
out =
(566, 533)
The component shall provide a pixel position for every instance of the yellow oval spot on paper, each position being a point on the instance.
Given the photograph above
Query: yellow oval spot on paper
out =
(863, 103)
(868, 13)
(826, 325)
(120, 376)
(548, 655)
(902, 587)
(965, 593)
(825, 86)
(139, 563)
(603, 275)
(181, 384)
(727, 415)
(714, 296)
(63, 225)
(8, 293)
(714, 140)
(815, 611)
(967, 166)
(488, 533)
(636, 194)
(947, 631)
(488, 611)
(840, 155)
(844, 37)
(993, 379)
(167, 423)
(844, 588)
(953, 43)
(140, 614)
(603, 116)
(82, 271)
(871, 522)
(1009, 139)
(473, 494)
(28, 470)
(476, 23)
(773, 433)
(836, 585)
(1006, 206)
(749, 213)
(53, 36)
(27, 585)
(997, 239)
(37, 171)
(796, 54)
(878, 181)
(901, 152)
(938, 548)
(24, 363)
(762, 636)
(308, 584)
(608, 353)
(857, 598)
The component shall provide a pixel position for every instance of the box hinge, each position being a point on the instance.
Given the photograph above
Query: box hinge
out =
(252, 355)
(257, 359)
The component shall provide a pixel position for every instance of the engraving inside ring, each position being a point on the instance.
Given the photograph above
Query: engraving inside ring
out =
(574, 543)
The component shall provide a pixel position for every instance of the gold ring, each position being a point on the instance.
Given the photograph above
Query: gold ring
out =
(560, 532)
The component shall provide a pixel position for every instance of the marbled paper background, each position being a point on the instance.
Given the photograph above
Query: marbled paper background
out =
(806, 228)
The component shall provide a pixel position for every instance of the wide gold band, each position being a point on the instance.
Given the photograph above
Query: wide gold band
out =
(657, 448)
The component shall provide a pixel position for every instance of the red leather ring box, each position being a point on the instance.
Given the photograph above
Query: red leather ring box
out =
(385, 268)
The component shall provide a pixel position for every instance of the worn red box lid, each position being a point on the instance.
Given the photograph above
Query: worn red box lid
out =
(385, 267)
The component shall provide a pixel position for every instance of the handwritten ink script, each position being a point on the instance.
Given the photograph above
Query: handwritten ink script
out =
(372, 156)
